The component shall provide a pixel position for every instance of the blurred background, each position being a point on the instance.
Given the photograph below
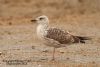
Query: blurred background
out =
(48, 7)
(12, 8)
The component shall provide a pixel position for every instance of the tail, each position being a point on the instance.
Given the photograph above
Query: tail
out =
(83, 39)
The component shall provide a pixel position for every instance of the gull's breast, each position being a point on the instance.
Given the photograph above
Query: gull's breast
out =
(41, 31)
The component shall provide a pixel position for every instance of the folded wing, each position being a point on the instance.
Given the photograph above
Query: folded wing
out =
(64, 37)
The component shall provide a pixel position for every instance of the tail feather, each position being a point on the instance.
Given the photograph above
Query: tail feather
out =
(82, 39)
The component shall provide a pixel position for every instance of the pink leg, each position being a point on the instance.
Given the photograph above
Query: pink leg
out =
(53, 54)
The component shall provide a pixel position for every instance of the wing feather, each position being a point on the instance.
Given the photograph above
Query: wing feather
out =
(60, 36)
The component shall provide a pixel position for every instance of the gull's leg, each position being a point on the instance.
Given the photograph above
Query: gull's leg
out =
(53, 54)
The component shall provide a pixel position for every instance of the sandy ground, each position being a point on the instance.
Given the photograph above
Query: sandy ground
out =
(20, 47)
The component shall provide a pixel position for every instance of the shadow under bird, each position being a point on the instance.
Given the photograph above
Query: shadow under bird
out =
(55, 37)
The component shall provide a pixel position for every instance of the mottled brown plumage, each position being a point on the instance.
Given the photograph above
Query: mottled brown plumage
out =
(64, 37)
(59, 35)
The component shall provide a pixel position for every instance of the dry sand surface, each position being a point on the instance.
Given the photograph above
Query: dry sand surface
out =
(19, 43)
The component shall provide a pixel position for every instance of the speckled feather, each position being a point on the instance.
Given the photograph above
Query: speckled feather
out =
(61, 36)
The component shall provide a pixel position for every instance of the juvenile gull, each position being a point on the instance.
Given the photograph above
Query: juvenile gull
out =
(55, 37)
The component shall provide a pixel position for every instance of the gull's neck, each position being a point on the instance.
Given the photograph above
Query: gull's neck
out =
(41, 30)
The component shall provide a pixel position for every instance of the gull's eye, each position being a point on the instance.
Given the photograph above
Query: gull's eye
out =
(41, 18)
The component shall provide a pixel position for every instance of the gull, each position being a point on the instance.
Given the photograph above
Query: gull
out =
(55, 37)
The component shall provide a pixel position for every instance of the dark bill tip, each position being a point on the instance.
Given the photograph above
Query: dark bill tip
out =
(33, 20)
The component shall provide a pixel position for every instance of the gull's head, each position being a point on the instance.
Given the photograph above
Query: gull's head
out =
(41, 20)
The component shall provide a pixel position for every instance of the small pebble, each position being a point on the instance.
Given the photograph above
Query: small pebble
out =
(84, 55)
(67, 58)
(62, 52)
(21, 41)
(9, 33)
(10, 23)
(45, 51)
(93, 62)
(0, 53)
(33, 47)
(44, 59)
